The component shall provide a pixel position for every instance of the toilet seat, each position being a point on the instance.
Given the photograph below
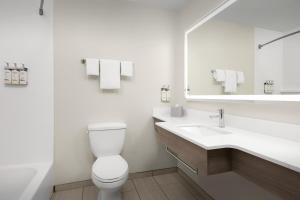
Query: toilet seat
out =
(109, 169)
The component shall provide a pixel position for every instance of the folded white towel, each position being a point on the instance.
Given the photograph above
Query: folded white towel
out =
(230, 83)
(240, 77)
(219, 75)
(127, 68)
(92, 67)
(110, 74)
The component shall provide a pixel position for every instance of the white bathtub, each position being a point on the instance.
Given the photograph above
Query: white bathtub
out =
(26, 182)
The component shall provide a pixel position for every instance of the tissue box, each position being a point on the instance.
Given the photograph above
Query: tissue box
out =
(176, 111)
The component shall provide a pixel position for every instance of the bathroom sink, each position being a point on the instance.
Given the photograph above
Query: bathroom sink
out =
(203, 131)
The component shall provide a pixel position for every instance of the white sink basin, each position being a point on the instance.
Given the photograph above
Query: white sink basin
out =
(203, 131)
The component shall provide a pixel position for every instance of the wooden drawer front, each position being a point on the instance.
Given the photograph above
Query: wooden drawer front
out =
(193, 155)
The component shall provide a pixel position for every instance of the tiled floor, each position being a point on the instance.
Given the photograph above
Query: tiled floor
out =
(162, 187)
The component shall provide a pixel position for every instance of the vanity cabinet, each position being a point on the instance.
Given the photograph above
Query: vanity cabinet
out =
(277, 179)
(197, 159)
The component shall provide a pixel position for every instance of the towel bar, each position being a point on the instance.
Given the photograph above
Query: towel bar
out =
(194, 171)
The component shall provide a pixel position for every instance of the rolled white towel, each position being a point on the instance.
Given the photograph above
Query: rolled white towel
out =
(127, 68)
(230, 83)
(92, 67)
(240, 77)
(219, 75)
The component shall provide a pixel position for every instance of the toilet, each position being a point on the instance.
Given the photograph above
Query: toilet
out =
(110, 170)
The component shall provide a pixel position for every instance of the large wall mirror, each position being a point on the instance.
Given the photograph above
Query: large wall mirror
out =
(245, 50)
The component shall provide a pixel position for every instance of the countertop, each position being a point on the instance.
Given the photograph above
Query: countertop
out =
(281, 151)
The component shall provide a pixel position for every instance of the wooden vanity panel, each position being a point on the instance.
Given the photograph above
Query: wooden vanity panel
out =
(219, 161)
(280, 180)
(208, 162)
(156, 120)
(193, 155)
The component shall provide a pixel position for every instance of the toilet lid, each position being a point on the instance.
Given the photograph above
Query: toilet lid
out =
(110, 168)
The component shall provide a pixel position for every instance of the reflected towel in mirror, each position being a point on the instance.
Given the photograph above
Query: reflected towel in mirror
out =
(219, 75)
(230, 83)
(240, 77)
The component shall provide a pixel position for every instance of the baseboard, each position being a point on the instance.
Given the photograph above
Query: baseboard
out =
(79, 184)
(152, 173)
(73, 185)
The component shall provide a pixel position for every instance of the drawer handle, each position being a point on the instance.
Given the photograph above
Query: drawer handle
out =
(195, 171)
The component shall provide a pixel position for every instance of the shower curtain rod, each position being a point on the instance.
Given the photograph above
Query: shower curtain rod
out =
(41, 11)
(280, 38)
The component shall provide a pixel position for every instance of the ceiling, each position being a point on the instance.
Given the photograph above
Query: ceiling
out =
(277, 15)
(166, 4)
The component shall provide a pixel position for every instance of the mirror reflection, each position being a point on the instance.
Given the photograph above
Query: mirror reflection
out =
(252, 47)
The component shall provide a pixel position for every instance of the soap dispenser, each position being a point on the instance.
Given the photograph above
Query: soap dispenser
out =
(23, 75)
(15, 75)
(163, 94)
(168, 93)
(7, 76)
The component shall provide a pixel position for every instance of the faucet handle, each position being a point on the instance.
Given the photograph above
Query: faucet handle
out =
(221, 111)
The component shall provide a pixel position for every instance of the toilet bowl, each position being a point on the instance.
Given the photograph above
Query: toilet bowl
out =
(110, 170)
(109, 174)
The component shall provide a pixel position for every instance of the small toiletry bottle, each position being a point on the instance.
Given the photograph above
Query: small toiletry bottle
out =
(163, 94)
(269, 87)
(168, 94)
(7, 76)
(265, 88)
(15, 75)
(23, 75)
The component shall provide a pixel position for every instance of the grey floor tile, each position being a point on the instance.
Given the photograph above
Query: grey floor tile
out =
(166, 179)
(182, 185)
(161, 187)
(75, 194)
(176, 191)
(195, 190)
(148, 189)
(90, 193)
(131, 195)
(128, 186)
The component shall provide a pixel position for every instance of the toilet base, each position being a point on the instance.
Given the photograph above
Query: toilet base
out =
(108, 194)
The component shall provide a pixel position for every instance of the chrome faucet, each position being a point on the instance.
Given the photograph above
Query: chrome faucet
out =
(221, 118)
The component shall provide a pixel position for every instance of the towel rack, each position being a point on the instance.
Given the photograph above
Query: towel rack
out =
(194, 171)
(83, 61)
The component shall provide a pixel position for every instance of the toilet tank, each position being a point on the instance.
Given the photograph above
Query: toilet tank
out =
(107, 138)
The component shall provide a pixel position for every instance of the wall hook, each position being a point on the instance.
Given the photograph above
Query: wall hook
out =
(41, 11)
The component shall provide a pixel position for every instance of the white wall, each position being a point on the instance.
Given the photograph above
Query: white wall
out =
(116, 30)
(26, 113)
(208, 50)
(291, 64)
(268, 60)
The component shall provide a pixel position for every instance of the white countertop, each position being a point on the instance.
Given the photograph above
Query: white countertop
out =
(278, 150)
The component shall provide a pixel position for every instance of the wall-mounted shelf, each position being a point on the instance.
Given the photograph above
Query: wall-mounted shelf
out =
(289, 91)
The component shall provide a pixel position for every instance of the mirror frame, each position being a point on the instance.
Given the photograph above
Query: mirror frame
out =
(188, 97)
